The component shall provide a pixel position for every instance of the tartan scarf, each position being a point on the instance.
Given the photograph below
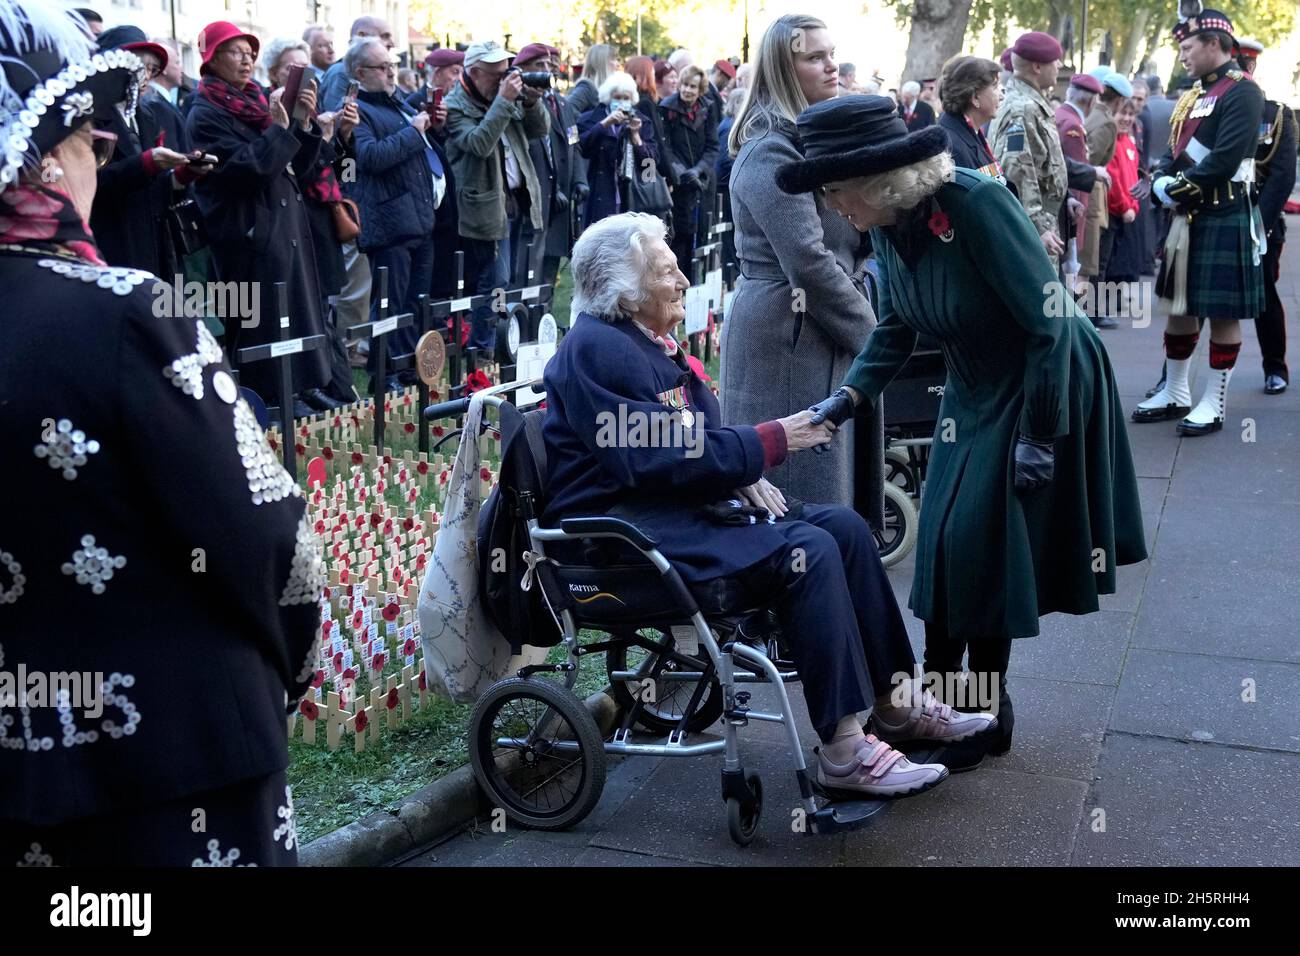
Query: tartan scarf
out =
(35, 216)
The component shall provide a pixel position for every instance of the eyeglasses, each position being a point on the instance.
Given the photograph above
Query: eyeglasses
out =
(102, 143)
(386, 67)
(240, 55)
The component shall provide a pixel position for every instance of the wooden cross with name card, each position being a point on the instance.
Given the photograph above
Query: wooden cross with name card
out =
(282, 352)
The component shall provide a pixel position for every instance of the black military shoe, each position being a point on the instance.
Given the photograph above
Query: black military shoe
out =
(1274, 384)
(1159, 413)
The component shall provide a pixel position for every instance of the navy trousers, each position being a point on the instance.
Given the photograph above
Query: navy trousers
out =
(487, 267)
(837, 611)
(410, 273)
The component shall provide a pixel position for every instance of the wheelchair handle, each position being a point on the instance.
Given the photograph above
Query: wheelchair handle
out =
(453, 409)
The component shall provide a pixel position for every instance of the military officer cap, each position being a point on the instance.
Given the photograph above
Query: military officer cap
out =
(1194, 19)
(1037, 47)
(1250, 46)
(1087, 83)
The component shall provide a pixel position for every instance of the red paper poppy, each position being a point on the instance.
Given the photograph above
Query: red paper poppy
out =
(409, 428)
(320, 526)
(442, 479)
(377, 662)
(357, 458)
(391, 610)
(408, 524)
(362, 721)
(375, 519)
(939, 223)
(406, 400)
(392, 699)
(344, 575)
(275, 446)
(476, 381)
(388, 459)
(422, 467)
(327, 453)
(350, 674)
(438, 432)
(309, 709)
(419, 561)
(355, 421)
(434, 394)
(423, 683)
(318, 679)
(409, 647)
(326, 627)
(356, 620)
(338, 662)
(338, 421)
(360, 520)
(485, 473)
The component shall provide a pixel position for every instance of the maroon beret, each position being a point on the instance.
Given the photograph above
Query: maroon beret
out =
(1037, 47)
(444, 57)
(1005, 59)
(534, 51)
(726, 67)
(1085, 82)
(662, 68)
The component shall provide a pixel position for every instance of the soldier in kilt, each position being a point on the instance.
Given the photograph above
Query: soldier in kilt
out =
(1211, 263)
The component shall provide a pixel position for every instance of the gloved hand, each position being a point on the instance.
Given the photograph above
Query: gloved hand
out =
(1158, 187)
(1141, 189)
(580, 193)
(1035, 463)
(837, 409)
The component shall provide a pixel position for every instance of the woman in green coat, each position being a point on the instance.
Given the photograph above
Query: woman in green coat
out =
(1030, 499)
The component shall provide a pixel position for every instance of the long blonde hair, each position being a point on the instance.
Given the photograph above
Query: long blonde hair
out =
(774, 90)
(596, 66)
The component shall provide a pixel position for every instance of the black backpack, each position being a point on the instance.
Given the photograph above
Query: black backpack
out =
(522, 616)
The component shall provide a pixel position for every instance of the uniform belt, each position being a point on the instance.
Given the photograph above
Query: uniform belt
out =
(756, 270)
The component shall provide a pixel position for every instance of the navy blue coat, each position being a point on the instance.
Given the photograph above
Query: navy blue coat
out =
(394, 185)
(602, 147)
(602, 368)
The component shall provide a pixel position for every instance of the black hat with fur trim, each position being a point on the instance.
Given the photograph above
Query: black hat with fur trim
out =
(851, 136)
(52, 80)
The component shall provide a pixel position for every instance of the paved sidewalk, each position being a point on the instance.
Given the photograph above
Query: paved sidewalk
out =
(1133, 746)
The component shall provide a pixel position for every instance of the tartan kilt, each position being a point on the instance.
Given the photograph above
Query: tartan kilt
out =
(1222, 280)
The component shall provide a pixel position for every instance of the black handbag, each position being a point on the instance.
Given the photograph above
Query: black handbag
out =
(186, 227)
(647, 191)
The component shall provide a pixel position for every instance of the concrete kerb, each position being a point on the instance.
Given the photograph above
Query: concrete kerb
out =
(434, 811)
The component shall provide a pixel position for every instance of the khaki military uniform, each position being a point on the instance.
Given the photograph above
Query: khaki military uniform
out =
(1103, 133)
(1027, 145)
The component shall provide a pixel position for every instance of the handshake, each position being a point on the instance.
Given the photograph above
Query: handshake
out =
(815, 427)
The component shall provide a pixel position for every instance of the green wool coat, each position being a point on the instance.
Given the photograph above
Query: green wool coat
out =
(1021, 359)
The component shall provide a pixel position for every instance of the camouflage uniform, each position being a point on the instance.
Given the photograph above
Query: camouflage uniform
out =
(1028, 147)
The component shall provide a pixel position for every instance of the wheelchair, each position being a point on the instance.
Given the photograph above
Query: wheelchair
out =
(677, 665)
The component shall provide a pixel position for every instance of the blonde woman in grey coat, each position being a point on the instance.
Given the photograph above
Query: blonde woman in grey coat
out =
(799, 316)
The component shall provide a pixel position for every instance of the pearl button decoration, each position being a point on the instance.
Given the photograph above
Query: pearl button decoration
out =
(66, 449)
(267, 479)
(93, 565)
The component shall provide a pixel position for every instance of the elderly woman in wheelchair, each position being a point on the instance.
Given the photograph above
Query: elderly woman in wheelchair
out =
(632, 433)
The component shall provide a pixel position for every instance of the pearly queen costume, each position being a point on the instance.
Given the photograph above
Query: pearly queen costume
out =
(1210, 266)
(151, 543)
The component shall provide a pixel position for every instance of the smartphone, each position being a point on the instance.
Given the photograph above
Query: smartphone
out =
(203, 160)
(437, 97)
(351, 95)
(292, 87)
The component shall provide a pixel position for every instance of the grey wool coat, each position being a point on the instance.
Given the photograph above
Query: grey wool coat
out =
(777, 361)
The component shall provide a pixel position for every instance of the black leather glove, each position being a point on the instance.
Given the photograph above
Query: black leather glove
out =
(559, 203)
(1035, 463)
(1141, 189)
(837, 409)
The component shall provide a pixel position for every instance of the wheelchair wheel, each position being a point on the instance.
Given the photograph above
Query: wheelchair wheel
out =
(898, 471)
(897, 537)
(742, 823)
(551, 773)
(670, 698)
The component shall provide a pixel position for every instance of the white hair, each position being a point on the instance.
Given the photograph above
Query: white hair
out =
(680, 59)
(609, 263)
(1079, 96)
(617, 82)
(277, 48)
(910, 88)
(357, 49)
(869, 86)
(904, 187)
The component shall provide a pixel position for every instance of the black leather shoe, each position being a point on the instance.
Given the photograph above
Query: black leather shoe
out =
(1104, 322)
(1155, 388)
(302, 410)
(319, 400)
(1192, 429)
(1274, 384)
(1161, 414)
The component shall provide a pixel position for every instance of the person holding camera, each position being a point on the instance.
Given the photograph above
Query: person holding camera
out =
(491, 116)
(445, 68)
(400, 184)
(619, 143)
(561, 171)
(691, 128)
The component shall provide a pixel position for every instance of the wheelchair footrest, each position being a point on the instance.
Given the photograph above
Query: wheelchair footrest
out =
(841, 815)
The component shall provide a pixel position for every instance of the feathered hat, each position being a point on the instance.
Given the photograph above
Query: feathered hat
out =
(52, 80)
